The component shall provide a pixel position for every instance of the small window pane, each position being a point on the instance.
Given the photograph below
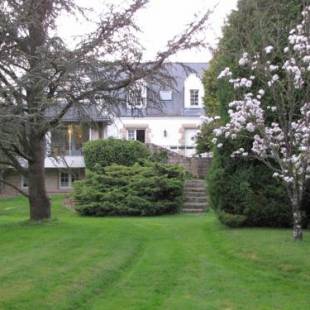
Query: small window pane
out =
(165, 95)
(194, 97)
(64, 179)
(131, 134)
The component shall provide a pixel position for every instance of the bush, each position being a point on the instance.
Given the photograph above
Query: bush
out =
(159, 156)
(101, 153)
(245, 187)
(149, 189)
(232, 220)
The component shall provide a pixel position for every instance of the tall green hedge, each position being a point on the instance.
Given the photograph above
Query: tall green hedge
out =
(101, 153)
(245, 187)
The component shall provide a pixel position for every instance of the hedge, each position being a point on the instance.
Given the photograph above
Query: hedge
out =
(101, 153)
(149, 189)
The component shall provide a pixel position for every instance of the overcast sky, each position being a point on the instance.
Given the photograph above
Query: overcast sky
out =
(160, 21)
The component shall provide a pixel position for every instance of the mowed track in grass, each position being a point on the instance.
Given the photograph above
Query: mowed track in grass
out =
(169, 262)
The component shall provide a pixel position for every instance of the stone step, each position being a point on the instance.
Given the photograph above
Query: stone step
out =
(191, 193)
(195, 182)
(192, 197)
(202, 185)
(194, 189)
(195, 193)
(193, 210)
(195, 205)
(196, 199)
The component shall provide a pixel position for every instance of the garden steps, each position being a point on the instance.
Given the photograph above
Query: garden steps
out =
(195, 196)
(193, 210)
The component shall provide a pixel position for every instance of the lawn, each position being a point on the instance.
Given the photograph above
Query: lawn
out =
(170, 262)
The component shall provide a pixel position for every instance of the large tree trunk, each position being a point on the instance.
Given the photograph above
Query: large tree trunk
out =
(40, 207)
(297, 218)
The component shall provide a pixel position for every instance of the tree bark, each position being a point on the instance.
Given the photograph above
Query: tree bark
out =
(297, 218)
(40, 206)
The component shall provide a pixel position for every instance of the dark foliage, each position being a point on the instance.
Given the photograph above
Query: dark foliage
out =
(239, 189)
(246, 187)
(232, 220)
(101, 153)
(149, 189)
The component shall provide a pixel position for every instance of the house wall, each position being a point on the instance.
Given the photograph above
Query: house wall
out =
(97, 132)
(175, 128)
(51, 179)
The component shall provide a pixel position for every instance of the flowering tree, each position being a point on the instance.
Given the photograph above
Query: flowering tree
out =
(280, 131)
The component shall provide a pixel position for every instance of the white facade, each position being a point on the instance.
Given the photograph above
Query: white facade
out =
(174, 133)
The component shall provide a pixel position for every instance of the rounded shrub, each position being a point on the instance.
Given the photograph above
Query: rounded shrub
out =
(101, 153)
(148, 189)
(232, 220)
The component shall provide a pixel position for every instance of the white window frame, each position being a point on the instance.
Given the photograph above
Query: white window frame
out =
(134, 131)
(193, 82)
(70, 180)
(194, 98)
(165, 95)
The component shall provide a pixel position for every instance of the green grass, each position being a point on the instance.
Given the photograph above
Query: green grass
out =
(171, 262)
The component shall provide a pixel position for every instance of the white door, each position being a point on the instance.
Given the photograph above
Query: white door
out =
(190, 141)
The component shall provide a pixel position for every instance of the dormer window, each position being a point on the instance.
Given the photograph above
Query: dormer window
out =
(194, 97)
(193, 92)
(165, 95)
(137, 96)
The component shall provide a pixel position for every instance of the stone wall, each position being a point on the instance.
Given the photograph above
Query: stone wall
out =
(197, 166)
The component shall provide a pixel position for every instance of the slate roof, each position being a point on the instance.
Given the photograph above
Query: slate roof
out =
(81, 113)
(175, 107)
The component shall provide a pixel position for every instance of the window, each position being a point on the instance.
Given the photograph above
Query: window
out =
(66, 180)
(165, 95)
(137, 95)
(24, 182)
(136, 134)
(69, 139)
(193, 92)
(131, 134)
(194, 97)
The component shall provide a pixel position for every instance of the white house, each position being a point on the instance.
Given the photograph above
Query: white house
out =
(173, 124)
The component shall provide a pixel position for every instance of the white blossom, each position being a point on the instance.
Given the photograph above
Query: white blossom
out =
(250, 127)
(244, 60)
(269, 49)
(273, 68)
(225, 73)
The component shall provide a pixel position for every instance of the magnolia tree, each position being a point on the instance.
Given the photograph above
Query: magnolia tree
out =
(272, 108)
